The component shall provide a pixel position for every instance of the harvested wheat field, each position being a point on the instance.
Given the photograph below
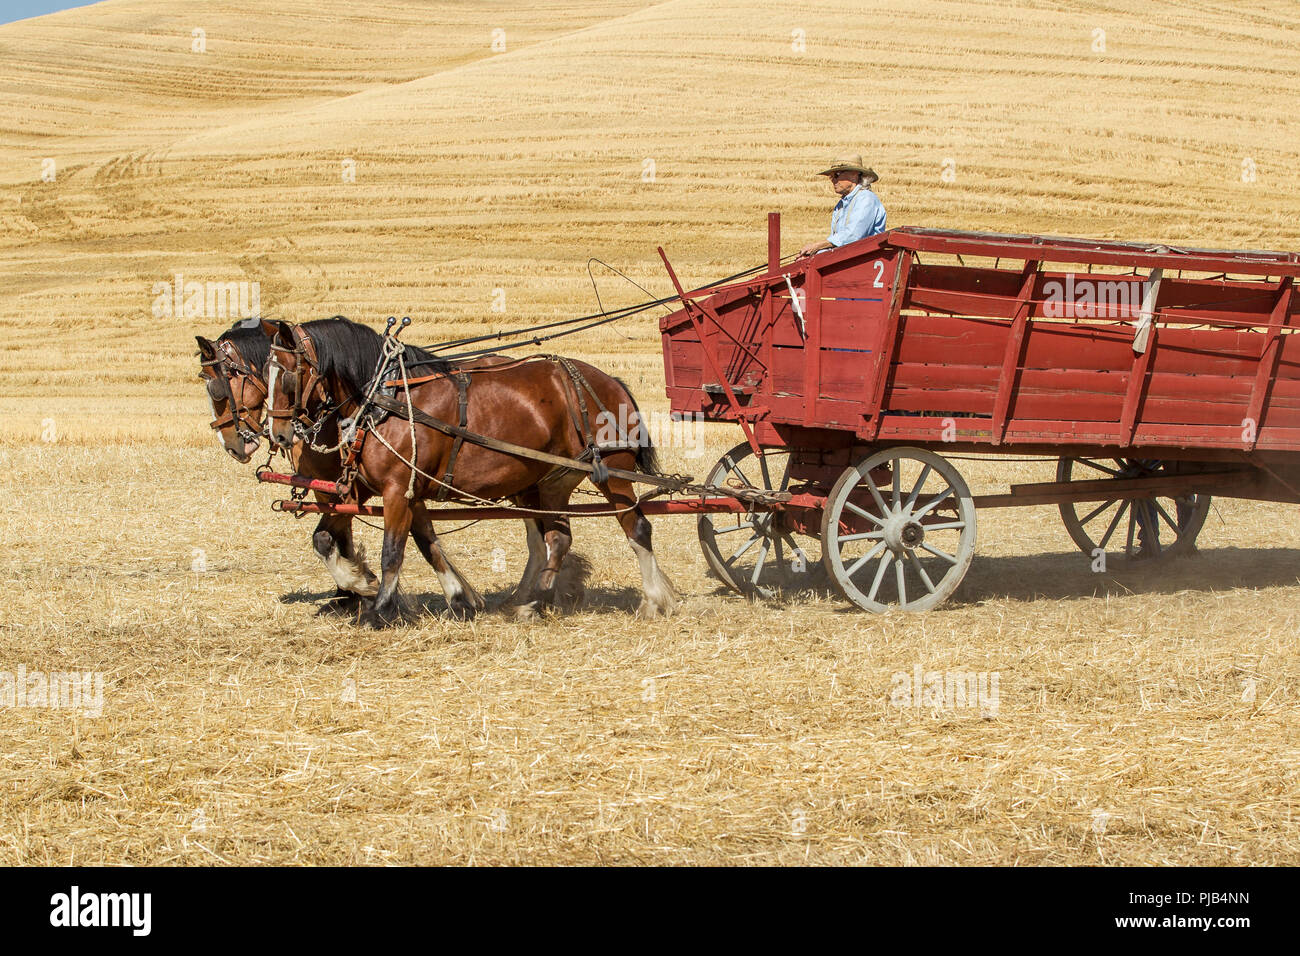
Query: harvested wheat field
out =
(460, 163)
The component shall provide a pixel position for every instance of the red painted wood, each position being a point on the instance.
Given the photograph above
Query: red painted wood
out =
(886, 339)
(1014, 348)
(1068, 382)
(811, 386)
(1269, 356)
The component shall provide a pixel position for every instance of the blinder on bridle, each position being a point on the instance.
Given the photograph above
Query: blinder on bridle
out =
(306, 364)
(226, 363)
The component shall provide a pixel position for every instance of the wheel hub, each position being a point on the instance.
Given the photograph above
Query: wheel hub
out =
(903, 532)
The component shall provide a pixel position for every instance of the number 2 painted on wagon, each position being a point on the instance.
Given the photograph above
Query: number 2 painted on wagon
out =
(880, 272)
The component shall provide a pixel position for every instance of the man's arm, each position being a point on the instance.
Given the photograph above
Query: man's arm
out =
(815, 247)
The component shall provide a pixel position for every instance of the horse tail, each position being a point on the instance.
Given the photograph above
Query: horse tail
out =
(647, 459)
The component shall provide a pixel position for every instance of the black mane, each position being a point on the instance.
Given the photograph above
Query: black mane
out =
(351, 351)
(249, 341)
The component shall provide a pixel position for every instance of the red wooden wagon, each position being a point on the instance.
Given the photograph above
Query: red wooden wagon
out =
(1157, 375)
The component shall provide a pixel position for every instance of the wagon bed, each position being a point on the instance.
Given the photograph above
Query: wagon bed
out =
(1140, 356)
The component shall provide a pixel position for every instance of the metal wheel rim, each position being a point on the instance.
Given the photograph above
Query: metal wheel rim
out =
(892, 505)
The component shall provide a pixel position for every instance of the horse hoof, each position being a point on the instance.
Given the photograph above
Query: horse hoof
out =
(341, 605)
(649, 610)
(377, 620)
(461, 610)
(526, 612)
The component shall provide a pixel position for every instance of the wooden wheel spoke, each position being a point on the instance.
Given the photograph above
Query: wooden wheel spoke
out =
(743, 548)
(1173, 525)
(1114, 523)
(951, 559)
(863, 535)
(901, 574)
(875, 493)
(861, 513)
(920, 483)
(758, 565)
(864, 559)
(1113, 472)
(945, 526)
(734, 467)
(880, 574)
(795, 549)
(934, 503)
(895, 483)
(1098, 510)
(920, 570)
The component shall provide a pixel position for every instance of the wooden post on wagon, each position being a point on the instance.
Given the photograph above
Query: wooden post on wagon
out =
(773, 242)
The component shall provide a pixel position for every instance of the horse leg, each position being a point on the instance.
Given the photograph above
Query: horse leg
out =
(332, 541)
(558, 539)
(397, 527)
(463, 601)
(658, 596)
(523, 597)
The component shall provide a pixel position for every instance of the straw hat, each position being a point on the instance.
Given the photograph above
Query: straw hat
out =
(851, 164)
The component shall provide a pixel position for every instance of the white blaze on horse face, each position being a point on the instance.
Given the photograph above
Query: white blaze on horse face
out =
(270, 383)
(270, 399)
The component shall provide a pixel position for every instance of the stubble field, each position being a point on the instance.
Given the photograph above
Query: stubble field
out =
(1145, 715)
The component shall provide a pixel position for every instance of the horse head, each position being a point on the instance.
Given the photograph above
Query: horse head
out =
(296, 390)
(230, 369)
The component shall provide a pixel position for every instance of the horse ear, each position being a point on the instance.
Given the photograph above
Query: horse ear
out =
(206, 348)
(280, 331)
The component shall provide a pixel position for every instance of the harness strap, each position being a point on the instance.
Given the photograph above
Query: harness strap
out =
(503, 367)
(519, 451)
(462, 392)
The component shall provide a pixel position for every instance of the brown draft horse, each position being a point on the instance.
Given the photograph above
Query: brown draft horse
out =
(232, 371)
(532, 403)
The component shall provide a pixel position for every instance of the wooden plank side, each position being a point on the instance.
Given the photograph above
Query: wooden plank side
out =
(1014, 352)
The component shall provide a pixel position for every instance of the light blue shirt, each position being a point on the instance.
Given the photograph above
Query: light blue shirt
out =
(856, 216)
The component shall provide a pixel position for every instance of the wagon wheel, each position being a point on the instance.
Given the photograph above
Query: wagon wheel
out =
(898, 531)
(758, 553)
(1153, 527)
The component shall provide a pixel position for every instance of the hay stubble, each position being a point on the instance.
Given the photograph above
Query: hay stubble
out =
(240, 728)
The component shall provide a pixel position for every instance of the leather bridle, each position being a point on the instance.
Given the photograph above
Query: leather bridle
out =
(306, 366)
(226, 363)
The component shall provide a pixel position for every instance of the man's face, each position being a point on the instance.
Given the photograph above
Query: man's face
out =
(843, 181)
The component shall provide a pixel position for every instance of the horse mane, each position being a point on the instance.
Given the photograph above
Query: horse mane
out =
(249, 341)
(351, 351)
